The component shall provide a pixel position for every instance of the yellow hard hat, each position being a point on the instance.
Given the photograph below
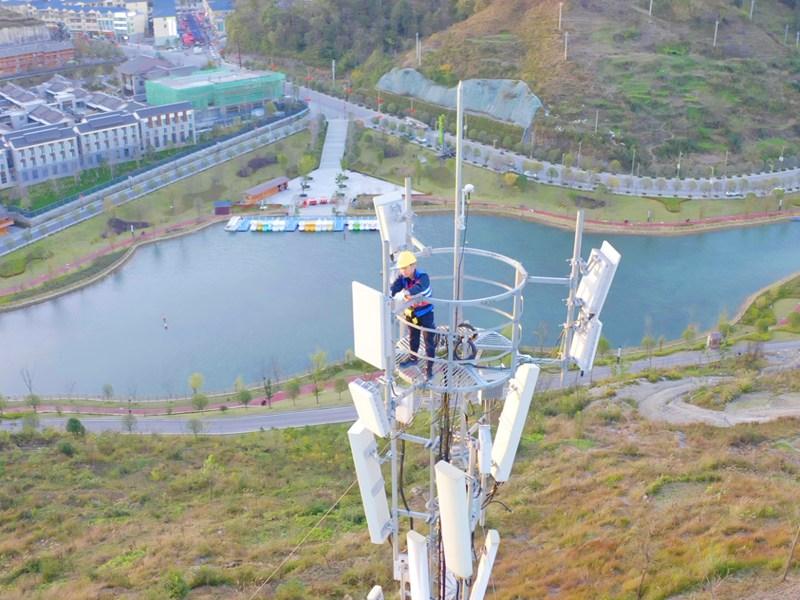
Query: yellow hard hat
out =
(405, 258)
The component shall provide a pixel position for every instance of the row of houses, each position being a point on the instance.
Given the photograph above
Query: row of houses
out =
(38, 153)
(120, 20)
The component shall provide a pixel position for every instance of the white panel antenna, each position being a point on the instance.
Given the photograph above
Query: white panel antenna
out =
(369, 406)
(418, 573)
(451, 489)
(512, 420)
(370, 482)
(584, 343)
(601, 268)
(406, 406)
(484, 449)
(481, 581)
(392, 222)
(370, 340)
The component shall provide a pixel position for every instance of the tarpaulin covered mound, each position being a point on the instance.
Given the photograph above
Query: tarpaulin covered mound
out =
(507, 100)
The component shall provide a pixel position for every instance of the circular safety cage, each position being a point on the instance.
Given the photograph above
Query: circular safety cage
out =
(477, 330)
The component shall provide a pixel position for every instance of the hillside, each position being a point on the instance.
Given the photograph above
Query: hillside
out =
(602, 504)
(657, 83)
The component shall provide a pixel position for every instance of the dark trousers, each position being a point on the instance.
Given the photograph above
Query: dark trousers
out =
(430, 344)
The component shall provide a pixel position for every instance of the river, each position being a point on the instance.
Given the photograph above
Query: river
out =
(252, 304)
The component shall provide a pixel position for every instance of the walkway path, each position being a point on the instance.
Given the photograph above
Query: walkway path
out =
(663, 407)
(498, 159)
(335, 140)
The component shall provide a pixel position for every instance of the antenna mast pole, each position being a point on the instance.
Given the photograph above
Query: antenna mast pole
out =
(575, 273)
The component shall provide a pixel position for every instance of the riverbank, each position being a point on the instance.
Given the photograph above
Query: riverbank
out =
(423, 205)
(129, 247)
(439, 205)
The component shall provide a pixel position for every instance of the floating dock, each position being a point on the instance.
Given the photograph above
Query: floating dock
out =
(304, 224)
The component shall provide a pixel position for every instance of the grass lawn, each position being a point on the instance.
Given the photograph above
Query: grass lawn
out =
(182, 200)
(48, 192)
(600, 503)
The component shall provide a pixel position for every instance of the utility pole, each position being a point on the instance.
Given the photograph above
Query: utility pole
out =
(716, 29)
(578, 160)
(725, 166)
(785, 34)
(797, 40)
(680, 155)
(560, 6)
(650, 10)
(596, 119)
(633, 160)
(566, 43)
(752, 8)
(333, 71)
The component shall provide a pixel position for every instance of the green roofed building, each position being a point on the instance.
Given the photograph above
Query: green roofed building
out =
(218, 95)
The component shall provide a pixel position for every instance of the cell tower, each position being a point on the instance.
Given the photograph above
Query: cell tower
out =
(438, 534)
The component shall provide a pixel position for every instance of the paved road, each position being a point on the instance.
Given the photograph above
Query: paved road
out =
(731, 186)
(215, 426)
(780, 354)
(91, 205)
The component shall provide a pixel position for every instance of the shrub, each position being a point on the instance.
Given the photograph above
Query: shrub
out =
(66, 448)
(210, 576)
(175, 586)
(75, 427)
(13, 266)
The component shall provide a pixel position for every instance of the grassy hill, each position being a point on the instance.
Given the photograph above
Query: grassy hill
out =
(601, 504)
(657, 83)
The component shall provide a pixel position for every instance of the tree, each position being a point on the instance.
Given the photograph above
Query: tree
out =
(33, 401)
(649, 343)
(199, 401)
(243, 395)
(689, 334)
(307, 164)
(724, 326)
(340, 385)
(30, 422)
(108, 391)
(195, 426)
(794, 320)
(293, 389)
(196, 381)
(268, 391)
(603, 346)
(510, 179)
(129, 422)
(319, 361)
(762, 325)
(541, 332)
(75, 427)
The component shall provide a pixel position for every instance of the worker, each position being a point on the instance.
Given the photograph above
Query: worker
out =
(413, 282)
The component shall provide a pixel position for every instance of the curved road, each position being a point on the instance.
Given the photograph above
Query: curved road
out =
(215, 426)
(659, 401)
(733, 186)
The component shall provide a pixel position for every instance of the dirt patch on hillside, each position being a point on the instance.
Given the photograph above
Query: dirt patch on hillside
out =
(587, 202)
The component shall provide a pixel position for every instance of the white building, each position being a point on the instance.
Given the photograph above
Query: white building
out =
(41, 153)
(108, 138)
(6, 180)
(116, 21)
(166, 126)
(165, 23)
